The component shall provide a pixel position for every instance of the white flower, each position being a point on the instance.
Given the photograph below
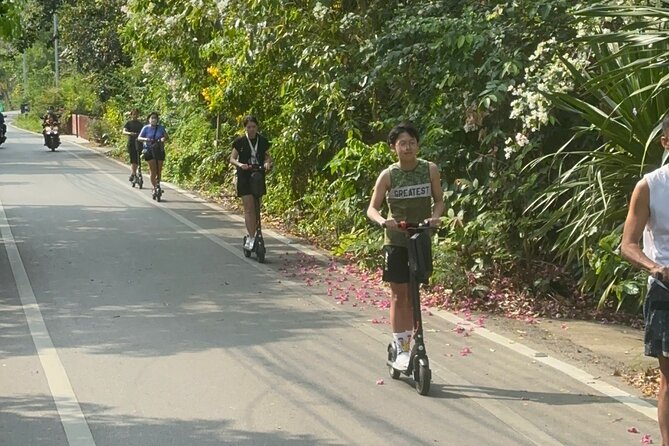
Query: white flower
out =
(521, 140)
(508, 151)
(320, 11)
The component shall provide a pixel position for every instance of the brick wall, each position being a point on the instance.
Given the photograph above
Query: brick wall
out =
(80, 125)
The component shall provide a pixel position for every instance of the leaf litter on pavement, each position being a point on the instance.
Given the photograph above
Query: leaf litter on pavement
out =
(347, 284)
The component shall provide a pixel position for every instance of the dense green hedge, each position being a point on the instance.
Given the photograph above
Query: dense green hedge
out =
(506, 95)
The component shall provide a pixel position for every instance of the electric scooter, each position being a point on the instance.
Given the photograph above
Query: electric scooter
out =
(258, 190)
(420, 269)
(137, 179)
(157, 191)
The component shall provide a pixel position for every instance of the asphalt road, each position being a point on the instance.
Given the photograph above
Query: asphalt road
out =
(129, 322)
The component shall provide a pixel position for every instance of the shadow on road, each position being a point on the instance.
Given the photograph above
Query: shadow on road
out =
(40, 425)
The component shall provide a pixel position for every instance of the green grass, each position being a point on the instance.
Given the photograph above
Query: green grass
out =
(29, 122)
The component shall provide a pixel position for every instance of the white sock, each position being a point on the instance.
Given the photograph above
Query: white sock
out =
(403, 341)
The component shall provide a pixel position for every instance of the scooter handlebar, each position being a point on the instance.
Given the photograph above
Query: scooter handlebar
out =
(256, 168)
(406, 225)
(659, 276)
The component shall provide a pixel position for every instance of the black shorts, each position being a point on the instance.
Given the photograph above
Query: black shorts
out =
(656, 321)
(395, 264)
(245, 183)
(133, 152)
(156, 152)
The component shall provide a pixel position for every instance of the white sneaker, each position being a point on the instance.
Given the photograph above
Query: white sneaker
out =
(402, 361)
(249, 243)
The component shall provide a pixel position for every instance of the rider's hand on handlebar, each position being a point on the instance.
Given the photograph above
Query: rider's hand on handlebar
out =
(267, 166)
(245, 166)
(660, 273)
(390, 224)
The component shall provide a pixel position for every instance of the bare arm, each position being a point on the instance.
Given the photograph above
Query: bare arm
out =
(268, 161)
(437, 196)
(637, 218)
(234, 160)
(378, 195)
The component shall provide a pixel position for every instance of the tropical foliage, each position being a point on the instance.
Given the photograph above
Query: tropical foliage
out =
(541, 114)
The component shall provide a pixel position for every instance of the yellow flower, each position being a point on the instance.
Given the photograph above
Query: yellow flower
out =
(214, 71)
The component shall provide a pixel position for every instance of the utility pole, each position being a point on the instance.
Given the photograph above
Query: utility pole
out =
(55, 43)
(25, 73)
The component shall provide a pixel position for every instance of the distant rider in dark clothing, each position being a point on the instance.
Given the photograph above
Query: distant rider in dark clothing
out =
(49, 119)
(132, 129)
(3, 128)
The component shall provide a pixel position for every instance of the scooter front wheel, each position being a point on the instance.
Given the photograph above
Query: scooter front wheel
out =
(260, 251)
(423, 379)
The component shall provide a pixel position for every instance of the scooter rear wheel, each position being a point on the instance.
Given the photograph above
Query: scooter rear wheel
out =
(423, 379)
(247, 252)
(393, 372)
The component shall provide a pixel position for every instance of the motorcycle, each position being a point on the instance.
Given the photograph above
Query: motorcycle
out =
(3, 132)
(51, 138)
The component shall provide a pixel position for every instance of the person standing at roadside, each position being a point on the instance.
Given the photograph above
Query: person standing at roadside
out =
(412, 189)
(132, 129)
(648, 218)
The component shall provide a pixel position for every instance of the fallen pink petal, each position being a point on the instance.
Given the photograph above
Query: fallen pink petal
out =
(466, 351)
(380, 382)
(646, 439)
(633, 430)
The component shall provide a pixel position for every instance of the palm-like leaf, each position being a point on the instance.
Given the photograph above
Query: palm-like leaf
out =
(622, 101)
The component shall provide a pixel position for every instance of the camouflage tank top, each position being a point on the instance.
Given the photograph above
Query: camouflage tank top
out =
(409, 198)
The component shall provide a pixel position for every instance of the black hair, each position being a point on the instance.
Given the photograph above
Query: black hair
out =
(250, 118)
(152, 114)
(402, 127)
(665, 125)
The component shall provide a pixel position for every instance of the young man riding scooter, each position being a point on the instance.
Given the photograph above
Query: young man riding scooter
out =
(412, 189)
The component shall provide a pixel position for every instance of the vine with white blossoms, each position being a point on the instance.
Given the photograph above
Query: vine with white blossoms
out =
(487, 83)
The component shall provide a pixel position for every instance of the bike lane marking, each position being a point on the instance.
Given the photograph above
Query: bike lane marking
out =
(629, 400)
(71, 416)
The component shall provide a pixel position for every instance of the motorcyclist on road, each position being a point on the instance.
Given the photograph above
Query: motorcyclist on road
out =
(49, 119)
(3, 128)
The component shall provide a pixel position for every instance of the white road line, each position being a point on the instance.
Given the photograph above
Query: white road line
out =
(281, 238)
(574, 372)
(233, 249)
(72, 418)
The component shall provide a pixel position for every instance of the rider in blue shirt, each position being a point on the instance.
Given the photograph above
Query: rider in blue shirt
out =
(154, 135)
